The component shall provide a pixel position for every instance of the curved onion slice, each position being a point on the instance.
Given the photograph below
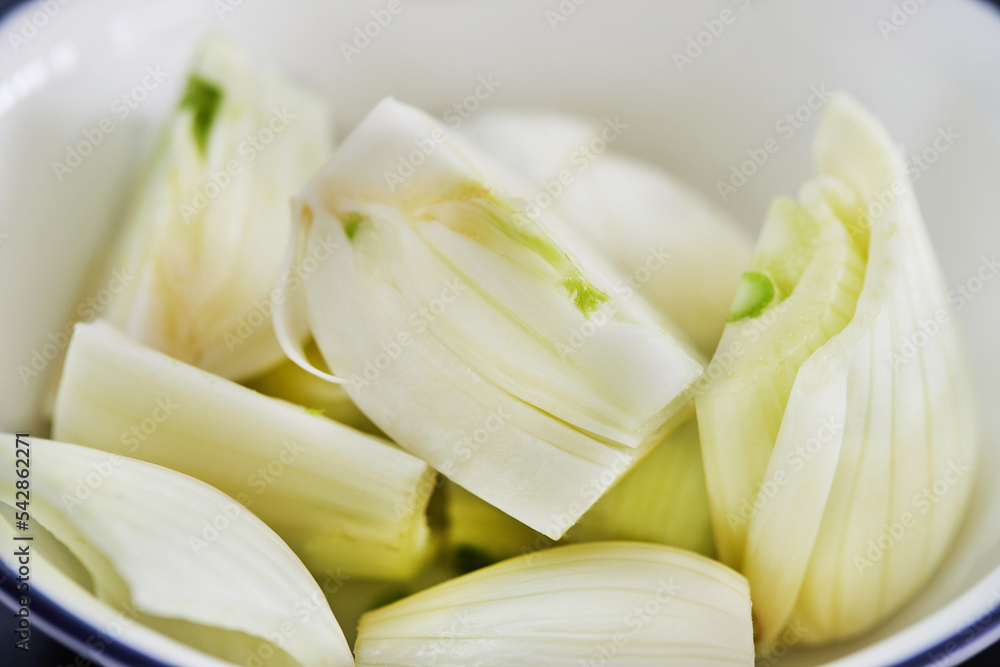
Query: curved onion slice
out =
(476, 336)
(622, 603)
(127, 528)
(662, 499)
(203, 245)
(799, 290)
(338, 497)
(880, 431)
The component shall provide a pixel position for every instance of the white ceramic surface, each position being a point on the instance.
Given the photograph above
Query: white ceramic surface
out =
(939, 70)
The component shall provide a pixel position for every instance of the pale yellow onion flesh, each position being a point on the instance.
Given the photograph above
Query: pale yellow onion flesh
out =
(807, 251)
(448, 238)
(867, 518)
(289, 382)
(132, 531)
(340, 498)
(481, 530)
(351, 597)
(643, 604)
(663, 499)
(203, 243)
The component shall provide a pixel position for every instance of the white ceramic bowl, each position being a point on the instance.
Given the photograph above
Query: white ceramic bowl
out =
(923, 67)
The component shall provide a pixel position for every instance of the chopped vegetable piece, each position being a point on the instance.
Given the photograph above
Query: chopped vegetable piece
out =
(203, 243)
(340, 498)
(652, 605)
(116, 543)
(477, 337)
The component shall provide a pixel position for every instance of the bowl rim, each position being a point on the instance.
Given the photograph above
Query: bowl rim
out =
(974, 639)
(73, 632)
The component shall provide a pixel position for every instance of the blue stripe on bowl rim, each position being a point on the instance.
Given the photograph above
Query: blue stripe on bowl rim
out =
(962, 646)
(74, 632)
(99, 646)
(8, 6)
(80, 636)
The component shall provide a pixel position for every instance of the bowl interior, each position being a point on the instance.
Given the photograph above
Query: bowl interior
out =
(700, 86)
